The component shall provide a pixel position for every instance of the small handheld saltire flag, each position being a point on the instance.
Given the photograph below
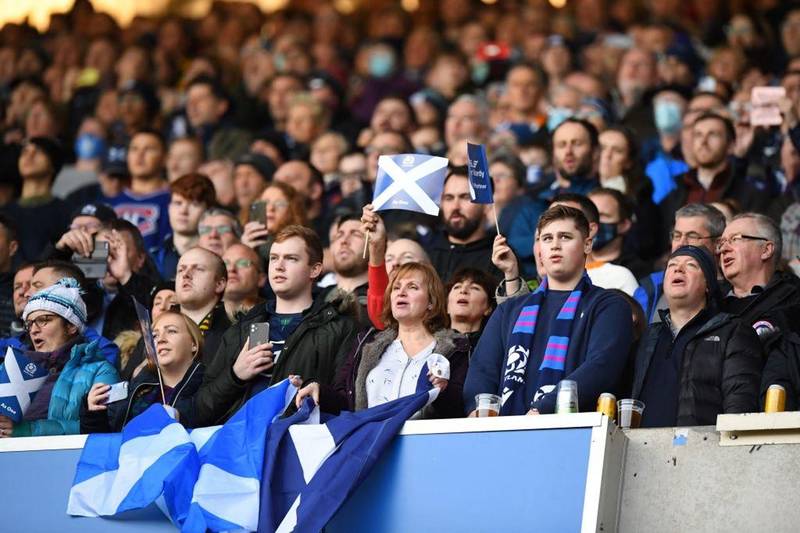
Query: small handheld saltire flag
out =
(311, 468)
(20, 380)
(480, 186)
(208, 478)
(413, 182)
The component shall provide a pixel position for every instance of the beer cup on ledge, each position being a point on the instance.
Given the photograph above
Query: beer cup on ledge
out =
(487, 405)
(629, 413)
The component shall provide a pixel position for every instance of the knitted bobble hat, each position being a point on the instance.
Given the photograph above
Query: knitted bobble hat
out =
(63, 299)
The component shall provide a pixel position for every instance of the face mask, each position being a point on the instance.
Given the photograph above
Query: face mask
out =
(279, 60)
(533, 174)
(617, 183)
(557, 115)
(605, 234)
(480, 72)
(667, 116)
(89, 146)
(381, 65)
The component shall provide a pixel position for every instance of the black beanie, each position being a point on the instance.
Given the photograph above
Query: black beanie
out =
(707, 265)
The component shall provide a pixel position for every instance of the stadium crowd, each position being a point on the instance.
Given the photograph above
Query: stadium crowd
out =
(220, 171)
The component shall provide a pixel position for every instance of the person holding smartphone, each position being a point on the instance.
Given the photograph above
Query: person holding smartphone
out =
(178, 341)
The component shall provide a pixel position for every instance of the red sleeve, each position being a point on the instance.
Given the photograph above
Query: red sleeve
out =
(378, 281)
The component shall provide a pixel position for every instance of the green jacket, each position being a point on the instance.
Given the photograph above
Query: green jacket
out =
(315, 350)
(85, 367)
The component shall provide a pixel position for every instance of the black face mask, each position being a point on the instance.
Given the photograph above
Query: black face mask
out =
(605, 234)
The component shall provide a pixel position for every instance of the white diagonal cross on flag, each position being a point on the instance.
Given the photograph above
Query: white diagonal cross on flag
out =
(407, 181)
(17, 385)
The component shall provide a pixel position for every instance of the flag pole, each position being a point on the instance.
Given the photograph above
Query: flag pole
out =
(496, 222)
(366, 243)
(161, 384)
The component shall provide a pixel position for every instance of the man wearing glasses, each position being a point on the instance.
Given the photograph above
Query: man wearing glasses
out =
(219, 229)
(246, 277)
(759, 293)
(695, 225)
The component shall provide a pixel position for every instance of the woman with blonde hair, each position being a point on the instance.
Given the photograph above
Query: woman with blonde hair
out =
(178, 341)
(401, 359)
(283, 206)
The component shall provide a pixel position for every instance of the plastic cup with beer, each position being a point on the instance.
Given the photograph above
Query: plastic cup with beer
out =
(607, 404)
(487, 405)
(629, 413)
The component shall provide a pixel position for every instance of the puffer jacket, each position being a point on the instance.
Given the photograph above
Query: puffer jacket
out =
(720, 372)
(118, 413)
(315, 350)
(85, 367)
(350, 390)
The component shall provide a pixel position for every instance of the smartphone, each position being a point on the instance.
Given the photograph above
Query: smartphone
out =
(118, 391)
(258, 212)
(259, 333)
(96, 265)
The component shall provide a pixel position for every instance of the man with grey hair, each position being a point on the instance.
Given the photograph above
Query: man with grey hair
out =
(218, 229)
(696, 225)
(467, 120)
(757, 292)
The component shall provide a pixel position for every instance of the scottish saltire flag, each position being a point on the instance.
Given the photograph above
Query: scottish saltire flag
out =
(310, 467)
(20, 380)
(480, 186)
(208, 478)
(413, 182)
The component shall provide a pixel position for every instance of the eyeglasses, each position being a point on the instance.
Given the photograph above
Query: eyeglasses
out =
(239, 263)
(734, 240)
(40, 321)
(222, 230)
(277, 204)
(690, 236)
(89, 227)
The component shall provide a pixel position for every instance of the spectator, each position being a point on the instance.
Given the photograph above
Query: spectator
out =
(306, 121)
(307, 181)
(207, 111)
(178, 343)
(40, 217)
(696, 363)
(246, 277)
(522, 328)
(525, 84)
(668, 160)
(715, 177)
(317, 334)
(22, 285)
(185, 155)
(637, 74)
(283, 206)
(146, 203)
(611, 244)
(695, 225)
(760, 295)
(349, 264)
(470, 302)
(56, 318)
(464, 241)
(575, 146)
(396, 362)
(218, 230)
(191, 195)
(251, 175)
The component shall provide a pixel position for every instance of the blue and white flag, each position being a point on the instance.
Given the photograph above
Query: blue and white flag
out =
(208, 478)
(413, 182)
(20, 380)
(311, 468)
(480, 185)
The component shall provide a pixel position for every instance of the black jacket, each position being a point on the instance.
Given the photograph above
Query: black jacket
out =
(783, 368)
(120, 314)
(350, 390)
(315, 350)
(771, 305)
(118, 413)
(447, 258)
(720, 372)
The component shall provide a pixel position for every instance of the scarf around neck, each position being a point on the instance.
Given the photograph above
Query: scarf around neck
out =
(520, 343)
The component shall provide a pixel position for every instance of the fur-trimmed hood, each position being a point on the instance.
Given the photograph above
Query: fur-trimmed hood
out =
(448, 343)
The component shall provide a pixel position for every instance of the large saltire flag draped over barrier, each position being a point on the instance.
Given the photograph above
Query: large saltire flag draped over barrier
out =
(412, 182)
(256, 472)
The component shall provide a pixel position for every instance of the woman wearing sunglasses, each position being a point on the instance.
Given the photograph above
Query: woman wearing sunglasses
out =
(55, 319)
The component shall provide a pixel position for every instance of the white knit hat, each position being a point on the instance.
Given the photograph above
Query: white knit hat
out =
(63, 299)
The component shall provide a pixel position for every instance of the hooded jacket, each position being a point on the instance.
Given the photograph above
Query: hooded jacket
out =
(350, 390)
(720, 371)
(315, 350)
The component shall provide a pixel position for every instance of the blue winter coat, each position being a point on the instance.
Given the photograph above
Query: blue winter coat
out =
(85, 367)
(601, 337)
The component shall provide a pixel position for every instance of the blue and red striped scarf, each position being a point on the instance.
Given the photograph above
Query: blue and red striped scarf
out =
(520, 343)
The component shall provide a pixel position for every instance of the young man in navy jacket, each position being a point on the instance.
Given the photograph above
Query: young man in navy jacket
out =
(567, 329)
